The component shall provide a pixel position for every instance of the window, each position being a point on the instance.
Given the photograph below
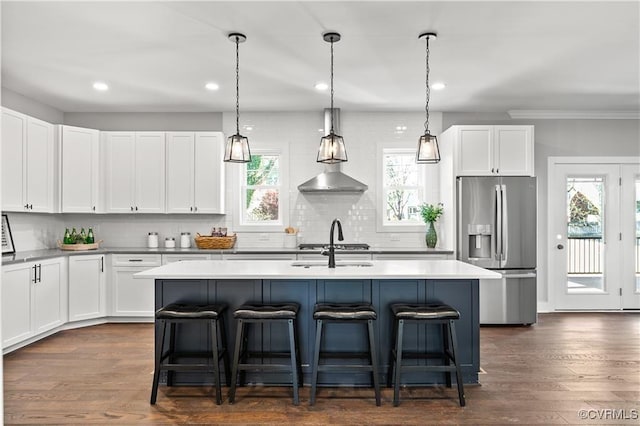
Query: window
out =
(262, 199)
(401, 187)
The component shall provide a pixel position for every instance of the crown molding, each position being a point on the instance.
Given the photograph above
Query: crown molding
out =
(550, 114)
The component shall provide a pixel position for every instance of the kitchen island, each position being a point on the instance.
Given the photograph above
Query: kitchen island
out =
(308, 282)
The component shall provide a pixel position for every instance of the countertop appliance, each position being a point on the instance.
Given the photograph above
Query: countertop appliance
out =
(496, 220)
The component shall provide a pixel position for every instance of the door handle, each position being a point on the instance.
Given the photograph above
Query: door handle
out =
(560, 246)
(102, 264)
(35, 274)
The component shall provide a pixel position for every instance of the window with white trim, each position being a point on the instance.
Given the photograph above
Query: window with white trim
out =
(262, 200)
(402, 189)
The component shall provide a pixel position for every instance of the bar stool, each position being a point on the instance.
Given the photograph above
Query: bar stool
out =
(266, 314)
(344, 313)
(185, 313)
(426, 313)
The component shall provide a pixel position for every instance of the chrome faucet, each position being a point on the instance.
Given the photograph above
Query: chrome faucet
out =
(332, 248)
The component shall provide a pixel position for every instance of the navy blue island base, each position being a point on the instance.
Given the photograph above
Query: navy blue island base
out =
(462, 294)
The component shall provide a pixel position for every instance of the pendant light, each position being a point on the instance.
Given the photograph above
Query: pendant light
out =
(332, 148)
(428, 151)
(236, 149)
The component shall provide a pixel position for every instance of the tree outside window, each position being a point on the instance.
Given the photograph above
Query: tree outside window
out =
(400, 187)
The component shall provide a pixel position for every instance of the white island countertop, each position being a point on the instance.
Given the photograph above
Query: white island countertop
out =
(286, 269)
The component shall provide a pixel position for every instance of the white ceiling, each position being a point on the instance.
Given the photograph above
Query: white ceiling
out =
(157, 56)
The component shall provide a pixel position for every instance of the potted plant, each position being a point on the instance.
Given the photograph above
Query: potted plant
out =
(430, 213)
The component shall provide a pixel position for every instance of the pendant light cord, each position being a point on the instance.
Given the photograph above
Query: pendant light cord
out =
(426, 108)
(331, 132)
(237, 86)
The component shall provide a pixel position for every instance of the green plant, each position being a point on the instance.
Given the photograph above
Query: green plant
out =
(431, 212)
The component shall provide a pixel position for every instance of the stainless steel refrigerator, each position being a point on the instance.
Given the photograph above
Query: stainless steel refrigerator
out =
(496, 223)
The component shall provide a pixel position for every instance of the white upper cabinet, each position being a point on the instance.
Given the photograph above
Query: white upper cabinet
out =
(195, 172)
(29, 175)
(134, 172)
(492, 150)
(80, 174)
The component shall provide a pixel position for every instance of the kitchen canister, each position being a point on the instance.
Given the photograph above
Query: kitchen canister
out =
(152, 240)
(170, 242)
(185, 240)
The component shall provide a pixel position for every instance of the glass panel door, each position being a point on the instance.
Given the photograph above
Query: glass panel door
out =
(630, 218)
(585, 221)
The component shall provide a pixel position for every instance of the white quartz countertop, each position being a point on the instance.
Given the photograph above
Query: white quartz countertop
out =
(285, 269)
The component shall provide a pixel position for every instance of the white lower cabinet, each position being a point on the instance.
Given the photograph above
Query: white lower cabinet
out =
(259, 256)
(132, 297)
(170, 258)
(33, 299)
(87, 287)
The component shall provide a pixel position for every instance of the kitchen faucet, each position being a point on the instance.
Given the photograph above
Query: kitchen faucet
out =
(332, 248)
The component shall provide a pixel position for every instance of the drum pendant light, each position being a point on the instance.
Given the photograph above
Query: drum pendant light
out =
(236, 149)
(332, 148)
(428, 151)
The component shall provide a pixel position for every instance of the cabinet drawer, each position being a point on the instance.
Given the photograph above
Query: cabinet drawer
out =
(170, 258)
(136, 260)
(268, 256)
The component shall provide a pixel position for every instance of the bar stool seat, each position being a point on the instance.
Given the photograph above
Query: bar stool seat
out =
(436, 313)
(177, 313)
(266, 314)
(344, 313)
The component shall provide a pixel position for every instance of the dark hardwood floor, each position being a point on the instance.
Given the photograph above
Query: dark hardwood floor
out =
(544, 374)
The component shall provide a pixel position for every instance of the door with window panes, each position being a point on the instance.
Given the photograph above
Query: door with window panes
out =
(595, 235)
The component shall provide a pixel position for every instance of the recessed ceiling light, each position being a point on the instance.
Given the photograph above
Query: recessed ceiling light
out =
(101, 86)
(212, 86)
(322, 86)
(438, 85)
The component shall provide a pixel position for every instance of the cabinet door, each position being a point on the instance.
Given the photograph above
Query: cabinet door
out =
(13, 136)
(209, 173)
(514, 150)
(87, 292)
(132, 297)
(40, 178)
(149, 172)
(475, 150)
(180, 172)
(16, 303)
(119, 171)
(47, 296)
(79, 169)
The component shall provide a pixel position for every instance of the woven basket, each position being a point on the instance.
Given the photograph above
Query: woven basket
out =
(206, 242)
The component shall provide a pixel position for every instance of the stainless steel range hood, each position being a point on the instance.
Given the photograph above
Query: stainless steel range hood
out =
(332, 179)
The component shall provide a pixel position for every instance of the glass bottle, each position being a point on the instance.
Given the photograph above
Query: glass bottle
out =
(74, 235)
(83, 236)
(90, 239)
(67, 237)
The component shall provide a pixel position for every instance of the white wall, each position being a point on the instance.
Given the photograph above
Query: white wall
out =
(612, 138)
(146, 121)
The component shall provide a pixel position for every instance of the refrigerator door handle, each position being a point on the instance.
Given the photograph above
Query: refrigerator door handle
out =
(498, 222)
(505, 224)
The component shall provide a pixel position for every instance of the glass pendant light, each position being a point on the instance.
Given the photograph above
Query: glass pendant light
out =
(428, 151)
(236, 149)
(332, 148)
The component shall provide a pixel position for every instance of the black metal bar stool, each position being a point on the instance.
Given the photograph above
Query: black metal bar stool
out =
(185, 313)
(344, 313)
(266, 314)
(434, 314)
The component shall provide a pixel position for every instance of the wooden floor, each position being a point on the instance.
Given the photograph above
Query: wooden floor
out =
(544, 374)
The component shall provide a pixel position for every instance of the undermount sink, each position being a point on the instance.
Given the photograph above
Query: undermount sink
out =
(339, 264)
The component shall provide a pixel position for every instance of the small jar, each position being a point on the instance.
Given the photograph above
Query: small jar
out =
(185, 239)
(152, 240)
(170, 242)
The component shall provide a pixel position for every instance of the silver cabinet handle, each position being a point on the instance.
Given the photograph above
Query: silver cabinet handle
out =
(135, 260)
